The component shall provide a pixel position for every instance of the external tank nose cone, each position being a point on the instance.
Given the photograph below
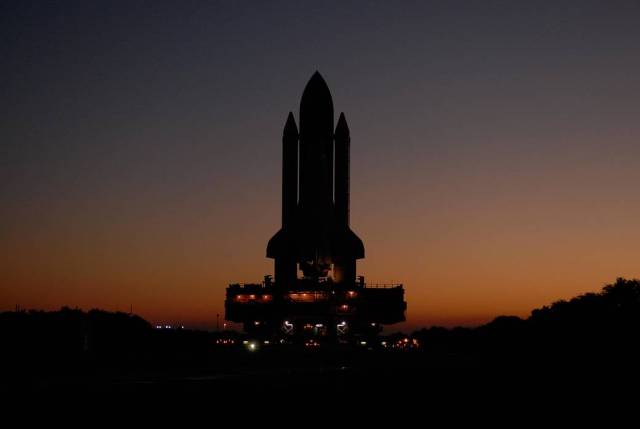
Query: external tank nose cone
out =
(316, 107)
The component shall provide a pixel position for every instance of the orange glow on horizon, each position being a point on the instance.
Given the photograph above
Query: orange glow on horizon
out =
(459, 267)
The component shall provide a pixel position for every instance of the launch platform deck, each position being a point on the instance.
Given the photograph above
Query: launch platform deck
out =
(321, 308)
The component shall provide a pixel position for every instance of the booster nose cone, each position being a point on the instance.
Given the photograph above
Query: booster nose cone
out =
(290, 128)
(316, 107)
(342, 129)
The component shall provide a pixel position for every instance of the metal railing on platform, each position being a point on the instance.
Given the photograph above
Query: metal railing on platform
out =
(382, 285)
(302, 283)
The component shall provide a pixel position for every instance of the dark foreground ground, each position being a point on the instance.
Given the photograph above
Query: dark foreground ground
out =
(292, 374)
(328, 386)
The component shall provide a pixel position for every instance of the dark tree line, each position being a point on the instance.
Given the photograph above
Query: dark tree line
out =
(70, 332)
(75, 339)
(593, 326)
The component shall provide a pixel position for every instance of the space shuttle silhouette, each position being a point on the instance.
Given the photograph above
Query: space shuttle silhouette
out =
(315, 234)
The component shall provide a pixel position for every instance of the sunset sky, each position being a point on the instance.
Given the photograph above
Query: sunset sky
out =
(494, 157)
